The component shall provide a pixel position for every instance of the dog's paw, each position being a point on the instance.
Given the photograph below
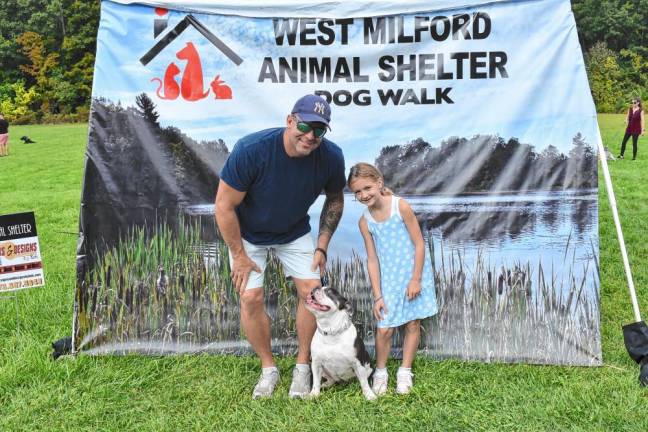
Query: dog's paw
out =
(312, 395)
(370, 395)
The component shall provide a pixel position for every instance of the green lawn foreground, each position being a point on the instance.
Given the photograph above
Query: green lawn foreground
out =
(213, 393)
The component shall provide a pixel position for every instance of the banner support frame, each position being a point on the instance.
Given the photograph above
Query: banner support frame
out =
(617, 223)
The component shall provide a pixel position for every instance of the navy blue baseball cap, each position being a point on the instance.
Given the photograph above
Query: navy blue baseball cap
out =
(313, 108)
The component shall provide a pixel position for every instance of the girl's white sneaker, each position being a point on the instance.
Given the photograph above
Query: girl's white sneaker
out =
(404, 382)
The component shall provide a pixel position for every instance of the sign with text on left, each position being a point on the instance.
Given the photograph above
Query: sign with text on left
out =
(20, 261)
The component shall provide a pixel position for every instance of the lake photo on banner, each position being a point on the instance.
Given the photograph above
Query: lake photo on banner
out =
(516, 275)
(506, 228)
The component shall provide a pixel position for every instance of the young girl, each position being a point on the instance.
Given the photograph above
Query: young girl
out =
(401, 275)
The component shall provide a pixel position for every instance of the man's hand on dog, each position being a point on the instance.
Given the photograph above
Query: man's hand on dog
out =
(413, 289)
(319, 261)
(380, 310)
(242, 265)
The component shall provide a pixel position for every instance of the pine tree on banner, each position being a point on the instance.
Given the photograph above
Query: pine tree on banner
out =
(147, 108)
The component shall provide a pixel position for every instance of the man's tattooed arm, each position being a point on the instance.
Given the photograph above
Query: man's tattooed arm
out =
(330, 218)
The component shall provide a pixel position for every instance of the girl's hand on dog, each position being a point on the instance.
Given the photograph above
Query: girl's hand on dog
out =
(413, 289)
(379, 310)
(242, 266)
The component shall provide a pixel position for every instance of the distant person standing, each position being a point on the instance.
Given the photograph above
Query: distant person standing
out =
(636, 126)
(4, 136)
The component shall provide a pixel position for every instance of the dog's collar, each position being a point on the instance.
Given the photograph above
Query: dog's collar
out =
(345, 327)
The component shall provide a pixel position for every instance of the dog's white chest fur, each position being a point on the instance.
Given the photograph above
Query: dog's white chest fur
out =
(336, 354)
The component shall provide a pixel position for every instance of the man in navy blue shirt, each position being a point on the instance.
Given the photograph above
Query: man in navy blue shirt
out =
(267, 185)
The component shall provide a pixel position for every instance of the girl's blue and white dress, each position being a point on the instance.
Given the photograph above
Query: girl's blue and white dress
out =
(395, 252)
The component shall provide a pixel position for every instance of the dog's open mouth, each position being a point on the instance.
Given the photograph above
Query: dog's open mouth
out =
(310, 301)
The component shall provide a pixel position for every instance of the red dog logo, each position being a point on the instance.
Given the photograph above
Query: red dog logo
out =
(191, 86)
(192, 78)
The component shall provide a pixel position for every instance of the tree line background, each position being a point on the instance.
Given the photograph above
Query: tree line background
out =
(485, 163)
(47, 51)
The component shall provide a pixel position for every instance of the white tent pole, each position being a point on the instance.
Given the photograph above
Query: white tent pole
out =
(617, 224)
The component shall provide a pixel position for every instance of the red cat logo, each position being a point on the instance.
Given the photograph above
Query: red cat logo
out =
(192, 85)
(171, 87)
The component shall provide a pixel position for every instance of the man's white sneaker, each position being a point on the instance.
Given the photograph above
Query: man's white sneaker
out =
(301, 383)
(266, 384)
(379, 385)
(404, 382)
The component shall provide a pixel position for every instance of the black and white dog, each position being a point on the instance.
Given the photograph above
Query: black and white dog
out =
(338, 353)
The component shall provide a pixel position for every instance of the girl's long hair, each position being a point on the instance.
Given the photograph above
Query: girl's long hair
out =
(365, 170)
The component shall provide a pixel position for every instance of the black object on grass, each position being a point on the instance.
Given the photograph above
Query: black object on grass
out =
(62, 347)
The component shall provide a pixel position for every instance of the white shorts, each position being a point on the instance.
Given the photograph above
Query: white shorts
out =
(296, 258)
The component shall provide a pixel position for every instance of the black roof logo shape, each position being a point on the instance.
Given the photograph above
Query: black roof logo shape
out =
(178, 29)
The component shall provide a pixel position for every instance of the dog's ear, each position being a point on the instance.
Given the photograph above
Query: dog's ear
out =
(348, 307)
(344, 303)
(338, 298)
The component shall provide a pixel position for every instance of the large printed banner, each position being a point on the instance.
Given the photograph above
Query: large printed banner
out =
(477, 113)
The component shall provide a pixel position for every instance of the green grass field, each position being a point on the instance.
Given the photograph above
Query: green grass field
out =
(213, 393)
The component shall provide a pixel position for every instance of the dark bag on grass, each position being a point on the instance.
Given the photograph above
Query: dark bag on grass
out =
(635, 336)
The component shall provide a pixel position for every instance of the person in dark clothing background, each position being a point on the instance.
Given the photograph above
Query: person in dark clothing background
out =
(4, 136)
(636, 126)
